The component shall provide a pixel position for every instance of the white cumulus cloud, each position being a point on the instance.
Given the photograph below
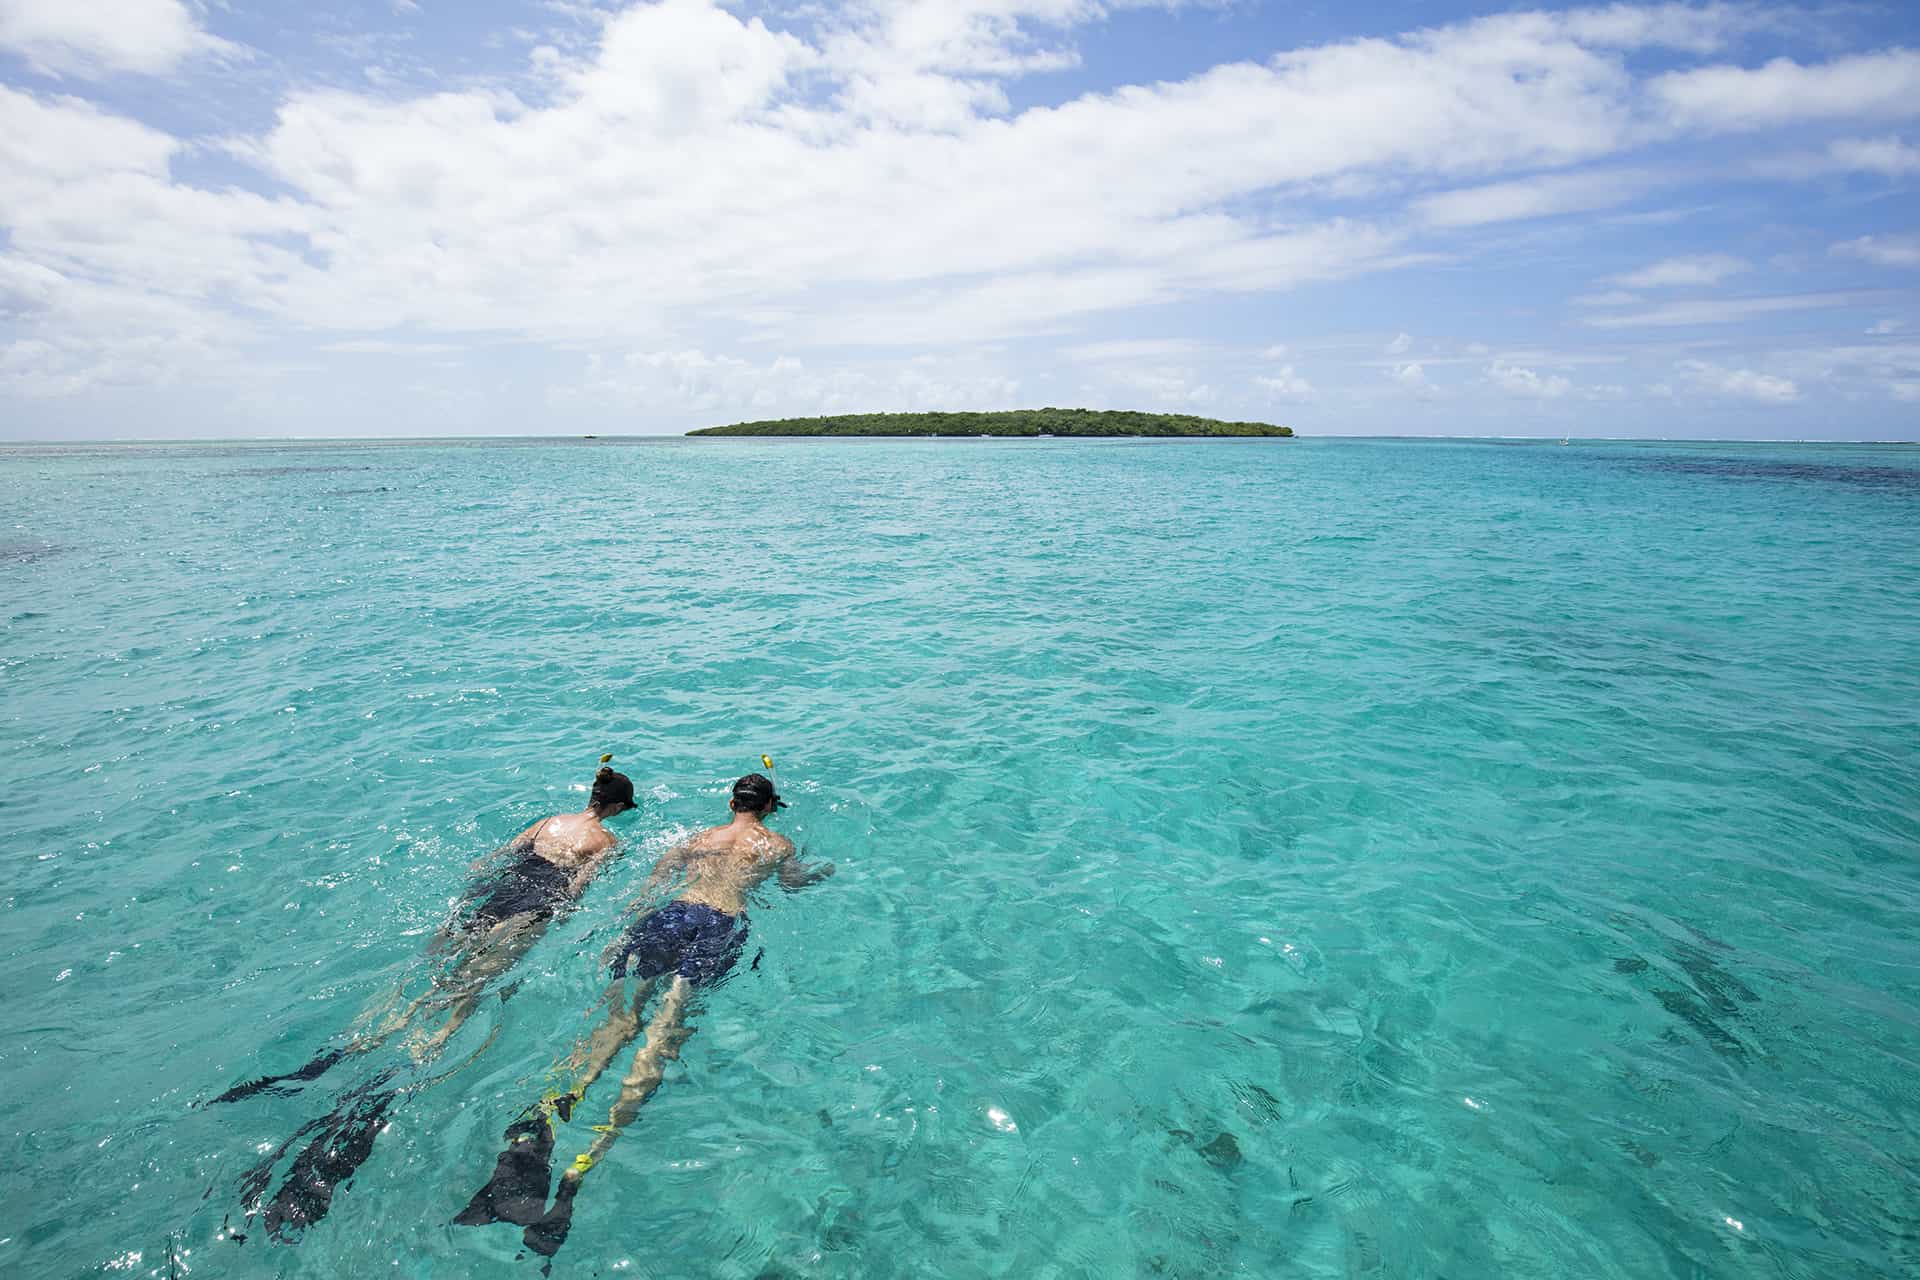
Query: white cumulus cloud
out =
(1411, 377)
(865, 183)
(1528, 198)
(94, 37)
(1607, 298)
(1883, 251)
(1885, 85)
(1285, 384)
(1673, 273)
(1526, 383)
(678, 189)
(674, 383)
(1165, 385)
(1739, 384)
(1888, 156)
(1707, 311)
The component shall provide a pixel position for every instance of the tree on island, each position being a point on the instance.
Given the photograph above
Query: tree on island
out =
(1016, 422)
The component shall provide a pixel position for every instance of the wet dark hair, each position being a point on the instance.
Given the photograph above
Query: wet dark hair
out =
(755, 794)
(610, 788)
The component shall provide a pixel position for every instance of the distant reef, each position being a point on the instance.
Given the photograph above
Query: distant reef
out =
(1017, 422)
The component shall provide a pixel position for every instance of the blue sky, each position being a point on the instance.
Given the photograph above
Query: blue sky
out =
(421, 217)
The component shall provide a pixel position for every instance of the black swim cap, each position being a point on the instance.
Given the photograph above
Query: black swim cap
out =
(755, 794)
(611, 788)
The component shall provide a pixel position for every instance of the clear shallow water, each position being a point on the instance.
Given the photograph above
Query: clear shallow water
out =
(1330, 858)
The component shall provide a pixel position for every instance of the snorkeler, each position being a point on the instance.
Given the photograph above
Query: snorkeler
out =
(693, 940)
(501, 916)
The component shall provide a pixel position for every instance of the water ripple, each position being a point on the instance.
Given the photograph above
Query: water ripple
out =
(1347, 859)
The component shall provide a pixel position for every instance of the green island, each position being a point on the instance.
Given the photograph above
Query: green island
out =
(1016, 422)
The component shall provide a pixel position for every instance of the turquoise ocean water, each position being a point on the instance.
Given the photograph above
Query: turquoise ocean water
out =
(1319, 858)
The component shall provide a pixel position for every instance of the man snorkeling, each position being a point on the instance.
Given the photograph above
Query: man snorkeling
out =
(503, 913)
(692, 941)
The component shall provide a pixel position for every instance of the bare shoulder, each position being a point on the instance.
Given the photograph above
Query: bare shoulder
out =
(549, 833)
(712, 840)
(782, 847)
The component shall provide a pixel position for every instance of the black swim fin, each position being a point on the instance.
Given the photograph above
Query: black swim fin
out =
(517, 1192)
(343, 1145)
(312, 1071)
(547, 1235)
(254, 1182)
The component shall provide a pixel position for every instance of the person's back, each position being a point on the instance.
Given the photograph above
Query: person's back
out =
(720, 866)
(574, 842)
(571, 838)
(558, 855)
(724, 864)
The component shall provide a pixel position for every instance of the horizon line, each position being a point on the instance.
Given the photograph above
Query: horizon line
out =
(687, 435)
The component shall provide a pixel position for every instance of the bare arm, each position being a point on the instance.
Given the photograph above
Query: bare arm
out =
(584, 876)
(795, 874)
(671, 863)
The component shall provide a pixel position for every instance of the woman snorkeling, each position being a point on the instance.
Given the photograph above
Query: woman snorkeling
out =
(521, 889)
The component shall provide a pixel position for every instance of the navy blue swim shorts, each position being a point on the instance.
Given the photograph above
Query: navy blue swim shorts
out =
(688, 938)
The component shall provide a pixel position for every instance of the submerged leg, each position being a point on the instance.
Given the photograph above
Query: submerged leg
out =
(498, 952)
(394, 1023)
(665, 1034)
(611, 1036)
(495, 954)
(363, 1042)
(517, 1191)
(320, 1063)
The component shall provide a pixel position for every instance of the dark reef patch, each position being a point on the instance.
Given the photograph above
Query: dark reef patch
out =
(298, 471)
(28, 552)
(1785, 470)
